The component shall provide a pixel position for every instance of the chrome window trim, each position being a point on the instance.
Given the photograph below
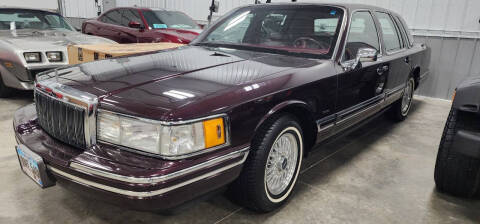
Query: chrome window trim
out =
(226, 123)
(342, 30)
(399, 35)
(145, 194)
(380, 40)
(149, 180)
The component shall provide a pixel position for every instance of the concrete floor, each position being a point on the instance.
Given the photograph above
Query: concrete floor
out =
(381, 173)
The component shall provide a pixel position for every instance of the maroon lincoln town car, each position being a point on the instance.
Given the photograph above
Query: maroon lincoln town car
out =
(241, 106)
(143, 25)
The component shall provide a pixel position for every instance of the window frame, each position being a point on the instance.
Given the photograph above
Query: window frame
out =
(403, 47)
(405, 30)
(123, 16)
(380, 38)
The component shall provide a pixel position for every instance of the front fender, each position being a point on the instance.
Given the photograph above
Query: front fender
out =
(467, 96)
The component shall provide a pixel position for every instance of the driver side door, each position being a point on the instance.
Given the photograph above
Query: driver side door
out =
(361, 87)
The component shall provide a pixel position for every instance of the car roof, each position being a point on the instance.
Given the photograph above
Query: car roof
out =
(140, 8)
(26, 8)
(348, 6)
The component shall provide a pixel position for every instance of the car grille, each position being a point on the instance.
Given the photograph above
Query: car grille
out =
(63, 121)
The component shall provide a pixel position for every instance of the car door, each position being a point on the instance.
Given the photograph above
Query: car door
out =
(396, 55)
(362, 86)
(128, 34)
(110, 25)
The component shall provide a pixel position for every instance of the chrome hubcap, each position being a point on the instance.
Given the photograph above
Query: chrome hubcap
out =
(407, 97)
(281, 163)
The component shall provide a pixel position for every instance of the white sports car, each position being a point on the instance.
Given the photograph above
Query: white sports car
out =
(33, 41)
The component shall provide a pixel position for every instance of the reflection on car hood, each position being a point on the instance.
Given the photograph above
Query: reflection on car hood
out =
(152, 85)
(186, 34)
(43, 39)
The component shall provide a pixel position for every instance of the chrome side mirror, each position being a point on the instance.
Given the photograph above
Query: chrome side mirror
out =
(363, 55)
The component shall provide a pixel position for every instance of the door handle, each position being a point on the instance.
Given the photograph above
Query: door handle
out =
(407, 60)
(382, 69)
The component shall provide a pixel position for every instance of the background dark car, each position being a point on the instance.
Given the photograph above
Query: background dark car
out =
(143, 25)
(457, 170)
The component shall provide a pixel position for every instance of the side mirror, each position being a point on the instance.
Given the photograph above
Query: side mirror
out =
(363, 55)
(134, 25)
(367, 55)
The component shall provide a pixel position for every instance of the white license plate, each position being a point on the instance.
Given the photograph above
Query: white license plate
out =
(29, 166)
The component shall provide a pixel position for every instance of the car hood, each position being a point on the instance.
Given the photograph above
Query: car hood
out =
(44, 39)
(184, 34)
(155, 85)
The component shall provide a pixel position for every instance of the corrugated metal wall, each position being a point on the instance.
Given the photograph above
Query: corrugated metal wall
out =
(450, 27)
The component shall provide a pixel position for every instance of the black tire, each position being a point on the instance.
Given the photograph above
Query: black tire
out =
(455, 173)
(4, 90)
(397, 112)
(250, 189)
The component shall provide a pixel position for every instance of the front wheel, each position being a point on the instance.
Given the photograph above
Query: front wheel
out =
(401, 108)
(271, 170)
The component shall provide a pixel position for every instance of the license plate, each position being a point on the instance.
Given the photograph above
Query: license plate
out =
(32, 165)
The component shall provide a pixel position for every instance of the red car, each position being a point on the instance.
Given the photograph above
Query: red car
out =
(143, 25)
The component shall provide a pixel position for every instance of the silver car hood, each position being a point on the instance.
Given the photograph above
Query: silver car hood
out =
(29, 39)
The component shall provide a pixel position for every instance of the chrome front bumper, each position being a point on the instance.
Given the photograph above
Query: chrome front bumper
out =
(243, 154)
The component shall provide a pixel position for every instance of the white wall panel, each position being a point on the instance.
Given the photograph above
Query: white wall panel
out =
(79, 9)
(41, 4)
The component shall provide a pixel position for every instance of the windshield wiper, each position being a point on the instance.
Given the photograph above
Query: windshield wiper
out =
(256, 48)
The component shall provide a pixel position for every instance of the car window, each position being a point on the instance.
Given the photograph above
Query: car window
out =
(235, 32)
(407, 31)
(402, 32)
(362, 34)
(112, 17)
(161, 19)
(311, 31)
(391, 37)
(129, 15)
(31, 19)
(325, 25)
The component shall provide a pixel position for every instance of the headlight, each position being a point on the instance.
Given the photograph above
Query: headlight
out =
(154, 137)
(32, 57)
(54, 56)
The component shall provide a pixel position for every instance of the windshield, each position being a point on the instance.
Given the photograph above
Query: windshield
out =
(297, 29)
(11, 19)
(157, 19)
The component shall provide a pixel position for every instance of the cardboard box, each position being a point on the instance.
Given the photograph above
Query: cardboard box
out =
(85, 53)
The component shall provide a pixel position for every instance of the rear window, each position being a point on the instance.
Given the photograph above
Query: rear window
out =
(391, 37)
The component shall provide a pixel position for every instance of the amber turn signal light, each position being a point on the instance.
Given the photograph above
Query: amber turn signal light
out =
(214, 132)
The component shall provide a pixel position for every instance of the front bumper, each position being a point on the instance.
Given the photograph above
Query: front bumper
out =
(20, 77)
(128, 179)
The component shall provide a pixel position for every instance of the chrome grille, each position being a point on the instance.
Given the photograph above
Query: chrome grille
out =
(62, 120)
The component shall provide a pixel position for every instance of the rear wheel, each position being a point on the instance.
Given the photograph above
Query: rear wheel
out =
(271, 170)
(4, 90)
(455, 173)
(401, 108)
